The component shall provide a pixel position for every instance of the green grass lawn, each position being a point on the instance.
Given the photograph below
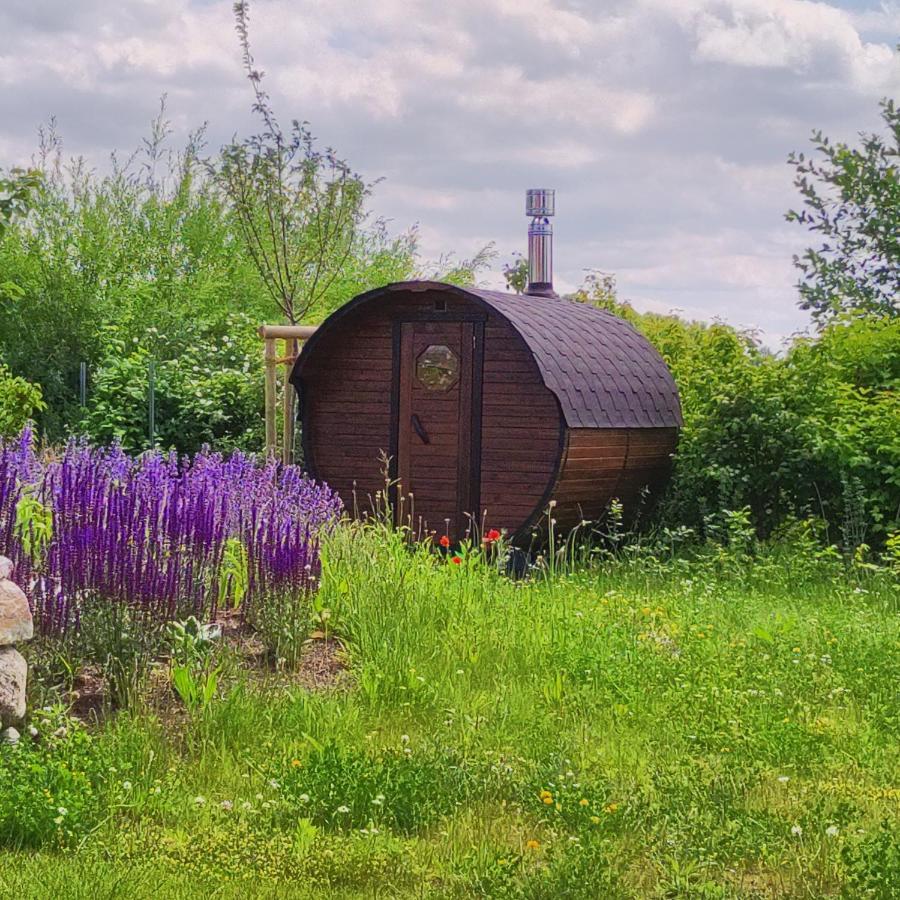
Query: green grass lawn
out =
(723, 727)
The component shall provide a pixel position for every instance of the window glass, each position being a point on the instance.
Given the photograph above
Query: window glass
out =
(437, 367)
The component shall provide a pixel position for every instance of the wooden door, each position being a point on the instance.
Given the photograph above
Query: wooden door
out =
(438, 426)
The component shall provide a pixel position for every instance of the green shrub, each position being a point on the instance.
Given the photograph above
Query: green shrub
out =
(815, 432)
(50, 784)
(19, 402)
(207, 387)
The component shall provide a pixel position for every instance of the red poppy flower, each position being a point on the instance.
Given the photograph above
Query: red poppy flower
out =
(491, 536)
(456, 559)
(445, 541)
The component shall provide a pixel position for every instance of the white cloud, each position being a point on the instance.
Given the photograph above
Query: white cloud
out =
(664, 124)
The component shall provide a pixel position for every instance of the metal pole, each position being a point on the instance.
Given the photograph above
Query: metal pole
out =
(82, 379)
(151, 401)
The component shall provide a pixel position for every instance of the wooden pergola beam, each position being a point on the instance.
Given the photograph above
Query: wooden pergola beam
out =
(292, 335)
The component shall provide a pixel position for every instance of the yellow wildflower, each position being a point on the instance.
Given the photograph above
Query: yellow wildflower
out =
(532, 844)
(611, 808)
(296, 763)
(582, 802)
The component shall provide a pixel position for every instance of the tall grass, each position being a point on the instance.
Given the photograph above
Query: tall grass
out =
(722, 725)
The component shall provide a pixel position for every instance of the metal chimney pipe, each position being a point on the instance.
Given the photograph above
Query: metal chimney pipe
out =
(540, 204)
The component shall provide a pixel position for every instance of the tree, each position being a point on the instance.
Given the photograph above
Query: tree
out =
(298, 209)
(851, 198)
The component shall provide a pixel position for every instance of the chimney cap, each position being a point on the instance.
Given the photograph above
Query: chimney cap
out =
(540, 202)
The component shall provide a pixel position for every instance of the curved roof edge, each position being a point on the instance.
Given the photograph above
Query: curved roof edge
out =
(603, 372)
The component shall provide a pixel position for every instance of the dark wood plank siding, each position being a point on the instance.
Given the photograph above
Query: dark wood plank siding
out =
(521, 431)
(602, 464)
(347, 409)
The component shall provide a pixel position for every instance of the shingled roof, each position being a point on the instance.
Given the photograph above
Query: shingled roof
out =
(604, 374)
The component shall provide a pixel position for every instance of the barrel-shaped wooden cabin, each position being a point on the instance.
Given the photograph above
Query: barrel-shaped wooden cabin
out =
(488, 405)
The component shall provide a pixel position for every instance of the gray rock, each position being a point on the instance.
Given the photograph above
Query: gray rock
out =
(9, 736)
(6, 568)
(15, 616)
(13, 675)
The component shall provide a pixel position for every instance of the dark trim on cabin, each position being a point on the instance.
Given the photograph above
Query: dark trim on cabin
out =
(477, 413)
(394, 438)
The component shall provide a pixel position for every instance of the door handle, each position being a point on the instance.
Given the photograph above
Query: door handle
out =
(419, 429)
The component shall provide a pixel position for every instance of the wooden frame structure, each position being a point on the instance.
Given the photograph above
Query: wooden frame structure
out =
(291, 336)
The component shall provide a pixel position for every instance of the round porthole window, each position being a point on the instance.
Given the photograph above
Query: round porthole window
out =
(437, 367)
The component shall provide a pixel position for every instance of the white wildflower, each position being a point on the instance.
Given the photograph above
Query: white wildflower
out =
(832, 831)
(796, 830)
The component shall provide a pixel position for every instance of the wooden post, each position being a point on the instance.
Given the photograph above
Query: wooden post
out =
(287, 445)
(271, 361)
(291, 335)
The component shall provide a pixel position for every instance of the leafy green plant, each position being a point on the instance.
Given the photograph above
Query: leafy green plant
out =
(234, 574)
(873, 864)
(402, 789)
(33, 527)
(195, 678)
(850, 201)
(20, 401)
(123, 642)
(51, 784)
(282, 620)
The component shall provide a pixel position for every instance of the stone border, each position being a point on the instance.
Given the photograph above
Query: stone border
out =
(16, 626)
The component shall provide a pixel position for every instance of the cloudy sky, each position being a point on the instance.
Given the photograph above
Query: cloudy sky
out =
(663, 124)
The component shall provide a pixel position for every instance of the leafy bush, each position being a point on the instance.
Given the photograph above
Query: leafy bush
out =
(19, 402)
(52, 784)
(206, 391)
(815, 432)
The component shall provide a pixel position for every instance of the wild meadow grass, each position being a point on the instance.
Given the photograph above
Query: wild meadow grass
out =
(715, 727)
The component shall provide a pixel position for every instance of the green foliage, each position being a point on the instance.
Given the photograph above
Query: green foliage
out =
(50, 784)
(122, 642)
(33, 527)
(851, 201)
(208, 388)
(650, 724)
(401, 789)
(282, 621)
(782, 436)
(195, 678)
(873, 865)
(20, 402)
(17, 190)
